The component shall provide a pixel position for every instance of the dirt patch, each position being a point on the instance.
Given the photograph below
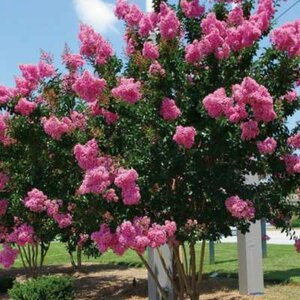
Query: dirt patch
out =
(101, 282)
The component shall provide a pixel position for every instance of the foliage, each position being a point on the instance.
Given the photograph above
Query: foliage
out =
(45, 287)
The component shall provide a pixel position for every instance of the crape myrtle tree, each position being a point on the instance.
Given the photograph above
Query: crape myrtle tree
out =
(165, 139)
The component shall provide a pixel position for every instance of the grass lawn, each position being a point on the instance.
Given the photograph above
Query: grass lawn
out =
(281, 265)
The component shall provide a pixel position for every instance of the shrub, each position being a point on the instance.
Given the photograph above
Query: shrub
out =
(44, 288)
(295, 223)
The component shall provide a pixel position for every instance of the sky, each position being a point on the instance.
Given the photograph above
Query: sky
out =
(27, 26)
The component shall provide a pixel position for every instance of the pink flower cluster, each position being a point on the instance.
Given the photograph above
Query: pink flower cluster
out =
(8, 256)
(150, 50)
(290, 96)
(250, 130)
(73, 61)
(128, 90)
(56, 128)
(156, 69)
(37, 201)
(25, 107)
(192, 9)
(110, 117)
(294, 141)
(297, 245)
(185, 136)
(31, 76)
(3, 207)
(22, 235)
(89, 87)
(268, 146)
(93, 46)
(287, 38)
(169, 24)
(169, 110)
(240, 209)
(220, 37)
(136, 235)
(292, 163)
(100, 174)
(5, 94)
(147, 24)
(126, 180)
(249, 92)
(4, 179)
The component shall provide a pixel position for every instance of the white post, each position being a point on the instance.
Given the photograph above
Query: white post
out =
(251, 281)
(158, 269)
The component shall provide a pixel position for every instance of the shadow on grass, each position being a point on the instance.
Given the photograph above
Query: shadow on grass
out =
(282, 276)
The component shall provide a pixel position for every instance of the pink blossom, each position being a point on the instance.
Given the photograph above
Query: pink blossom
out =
(25, 87)
(52, 207)
(30, 73)
(25, 107)
(150, 50)
(236, 16)
(290, 96)
(103, 238)
(267, 146)
(287, 38)
(111, 196)
(292, 163)
(22, 235)
(87, 155)
(73, 61)
(297, 245)
(128, 90)
(169, 24)
(147, 24)
(156, 69)
(169, 110)
(217, 103)
(5, 94)
(95, 181)
(110, 117)
(185, 136)
(35, 201)
(78, 120)
(121, 9)
(8, 256)
(133, 17)
(55, 127)
(157, 236)
(4, 179)
(3, 206)
(240, 209)
(88, 86)
(46, 70)
(83, 238)
(63, 220)
(257, 96)
(294, 141)
(250, 130)
(126, 180)
(93, 45)
(192, 9)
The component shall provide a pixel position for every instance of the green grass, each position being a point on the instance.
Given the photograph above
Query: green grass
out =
(281, 265)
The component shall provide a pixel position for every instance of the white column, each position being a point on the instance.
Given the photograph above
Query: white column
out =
(157, 267)
(251, 281)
